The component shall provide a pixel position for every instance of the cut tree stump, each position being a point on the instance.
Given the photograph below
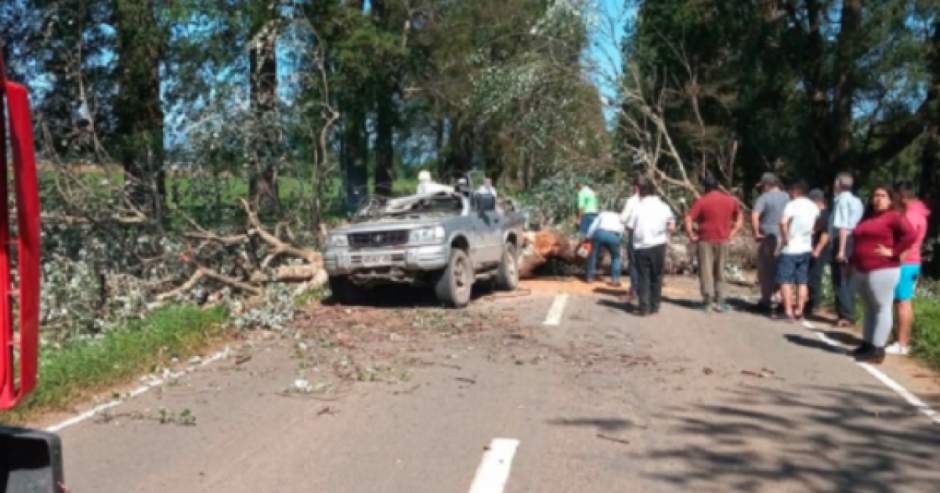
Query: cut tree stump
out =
(681, 257)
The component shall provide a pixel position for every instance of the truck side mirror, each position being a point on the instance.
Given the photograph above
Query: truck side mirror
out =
(19, 339)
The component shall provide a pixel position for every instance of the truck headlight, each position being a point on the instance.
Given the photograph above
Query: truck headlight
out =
(338, 240)
(423, 235)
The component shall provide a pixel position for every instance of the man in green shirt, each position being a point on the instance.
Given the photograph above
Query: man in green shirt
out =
(587, 205)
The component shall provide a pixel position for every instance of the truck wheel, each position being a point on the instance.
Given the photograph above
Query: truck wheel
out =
(345, 292)
(456, 282)
(507, 277)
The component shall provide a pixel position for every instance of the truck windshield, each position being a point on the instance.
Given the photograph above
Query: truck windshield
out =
(441, 205)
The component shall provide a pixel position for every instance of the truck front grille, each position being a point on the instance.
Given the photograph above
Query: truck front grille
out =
(378, 239)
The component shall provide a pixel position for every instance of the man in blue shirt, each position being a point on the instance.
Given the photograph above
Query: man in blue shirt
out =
(847, 211)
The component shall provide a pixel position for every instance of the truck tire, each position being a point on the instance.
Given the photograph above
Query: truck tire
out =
(507, 276)
(345, 292)
(455, 285)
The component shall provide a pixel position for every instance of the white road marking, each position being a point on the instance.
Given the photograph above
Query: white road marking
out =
(494, 468)
(134, 393)
(557, 310)
(882, 377)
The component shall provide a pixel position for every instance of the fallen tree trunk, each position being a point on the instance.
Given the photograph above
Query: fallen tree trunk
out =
(681, 255)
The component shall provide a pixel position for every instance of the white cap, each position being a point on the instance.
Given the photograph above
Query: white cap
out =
(424, 176)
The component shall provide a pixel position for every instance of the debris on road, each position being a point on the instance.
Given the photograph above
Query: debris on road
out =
(763, 373)
(613, 439)
(707, 371)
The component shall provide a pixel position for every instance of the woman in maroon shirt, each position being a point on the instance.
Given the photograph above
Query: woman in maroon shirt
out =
(880, 238)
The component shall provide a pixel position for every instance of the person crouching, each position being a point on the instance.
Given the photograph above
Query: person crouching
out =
(605, 233)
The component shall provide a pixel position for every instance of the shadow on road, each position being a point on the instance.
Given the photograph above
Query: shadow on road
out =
(812, 439)
(627, 307)
(405, 296)
(602, 424)
(810, 342)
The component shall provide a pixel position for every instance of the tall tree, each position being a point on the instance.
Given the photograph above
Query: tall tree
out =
(138, 108)
(265, 28)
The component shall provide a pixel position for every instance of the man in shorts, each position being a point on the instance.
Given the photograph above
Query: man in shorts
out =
(796, 238)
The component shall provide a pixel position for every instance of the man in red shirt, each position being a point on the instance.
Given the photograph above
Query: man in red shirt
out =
(719, 219)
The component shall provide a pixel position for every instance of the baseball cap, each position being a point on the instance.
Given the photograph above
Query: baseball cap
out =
(768, 179)
(709, 181)
(816, 194)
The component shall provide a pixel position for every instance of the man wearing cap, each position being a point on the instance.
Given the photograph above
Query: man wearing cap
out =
(822, 251)
(847, 211)
(719, 219)
(765, 222)
(587, 205)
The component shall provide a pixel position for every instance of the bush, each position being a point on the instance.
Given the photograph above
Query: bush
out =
(925, 335)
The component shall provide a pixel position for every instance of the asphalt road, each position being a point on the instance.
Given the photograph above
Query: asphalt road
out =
(602, 401)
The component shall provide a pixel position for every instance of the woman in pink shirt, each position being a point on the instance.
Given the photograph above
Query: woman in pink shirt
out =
(916, 213)
(881, 238)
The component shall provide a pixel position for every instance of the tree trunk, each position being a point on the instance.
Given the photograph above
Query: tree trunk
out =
(355, 157)
(138, 108)
(384, 143)
(439, 146)
(384, 112)
(681, 256)
(262, 172)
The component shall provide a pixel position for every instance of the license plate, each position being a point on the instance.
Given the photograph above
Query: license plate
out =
(376, 259)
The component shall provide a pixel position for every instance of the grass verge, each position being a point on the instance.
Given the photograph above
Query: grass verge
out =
(925, 334)
(74, 372)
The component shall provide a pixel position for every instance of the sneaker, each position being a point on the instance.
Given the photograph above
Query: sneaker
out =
(723, 307)
(898, 350)
(703, 307)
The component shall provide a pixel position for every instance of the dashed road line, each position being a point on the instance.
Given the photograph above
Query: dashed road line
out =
(557, 310)
(134, 393)
(881, 376)
(493, 472)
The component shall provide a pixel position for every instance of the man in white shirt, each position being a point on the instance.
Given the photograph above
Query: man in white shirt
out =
(847, 211)
(628, 209)
(487, 187)
(605, 232)
(650, 223)
(796, 236)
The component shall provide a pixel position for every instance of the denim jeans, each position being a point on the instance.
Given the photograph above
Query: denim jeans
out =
(634, 270)
(586, 220)
(609, 241)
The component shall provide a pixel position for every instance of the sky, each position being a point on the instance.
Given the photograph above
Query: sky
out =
(602, 59)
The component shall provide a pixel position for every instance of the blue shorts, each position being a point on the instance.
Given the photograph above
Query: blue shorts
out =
(904, 291)
(793, 268)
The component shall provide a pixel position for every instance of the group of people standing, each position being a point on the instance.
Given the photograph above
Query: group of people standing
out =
(873, 251)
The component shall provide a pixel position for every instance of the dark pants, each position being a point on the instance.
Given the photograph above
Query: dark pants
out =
(586, 220)
(767, 268)
(817, 268)
(650, 262)
(844, 285)
(634, 272)
(609, 241)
